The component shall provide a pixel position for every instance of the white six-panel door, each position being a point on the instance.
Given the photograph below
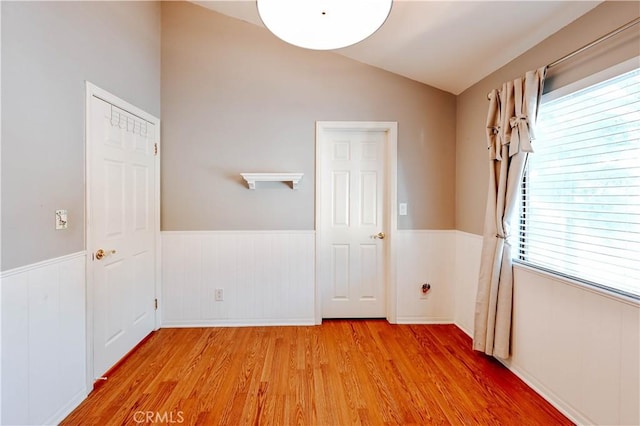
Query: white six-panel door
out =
(354, 223)
(122, 188)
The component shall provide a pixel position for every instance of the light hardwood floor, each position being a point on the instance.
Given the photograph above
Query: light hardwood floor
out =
(344, 372)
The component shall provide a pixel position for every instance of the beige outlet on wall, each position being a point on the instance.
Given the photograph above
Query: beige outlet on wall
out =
(219, 294)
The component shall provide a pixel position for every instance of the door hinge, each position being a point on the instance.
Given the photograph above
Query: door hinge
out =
(155, 302)
(155, 149)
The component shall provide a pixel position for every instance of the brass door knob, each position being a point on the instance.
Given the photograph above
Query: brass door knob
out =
(102, 253)
(379, 235)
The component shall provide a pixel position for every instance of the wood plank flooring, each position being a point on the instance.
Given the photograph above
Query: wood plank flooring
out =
(344, 372)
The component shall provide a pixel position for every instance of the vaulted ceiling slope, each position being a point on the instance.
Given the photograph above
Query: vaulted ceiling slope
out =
(451, 44)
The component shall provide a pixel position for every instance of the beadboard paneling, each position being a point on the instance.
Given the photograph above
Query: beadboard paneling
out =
(465, 278)
(43, 340)
(578, 347)
(267, 278)
(425, 257)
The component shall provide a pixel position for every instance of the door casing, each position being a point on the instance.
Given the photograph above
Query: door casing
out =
(391, 173)
(90, 91)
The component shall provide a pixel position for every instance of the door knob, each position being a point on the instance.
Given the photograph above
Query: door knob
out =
(379, 235)
(102, 253)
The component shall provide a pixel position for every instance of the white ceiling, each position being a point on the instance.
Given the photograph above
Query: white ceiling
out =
(447, 44)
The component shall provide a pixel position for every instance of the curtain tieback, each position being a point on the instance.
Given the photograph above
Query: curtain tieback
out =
(517, 120)
(520, 136)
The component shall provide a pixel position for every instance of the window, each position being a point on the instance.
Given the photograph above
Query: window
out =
(580, 204)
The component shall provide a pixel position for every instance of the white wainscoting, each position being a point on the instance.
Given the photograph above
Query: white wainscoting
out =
(268, 277)
(465, 278)
(43, 340)
(425, 256)
(579, 348)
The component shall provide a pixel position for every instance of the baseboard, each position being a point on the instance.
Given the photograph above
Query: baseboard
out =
(540, 389)
(261, 322)
(58, 417)
(288, 322)
(464, 329)
(549, 396)
(423, 320)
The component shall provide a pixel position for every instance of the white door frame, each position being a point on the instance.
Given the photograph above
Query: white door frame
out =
(390, 187)
(91, 91)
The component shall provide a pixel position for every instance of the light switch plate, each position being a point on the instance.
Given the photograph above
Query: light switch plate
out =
(402, 209)
(61, 219)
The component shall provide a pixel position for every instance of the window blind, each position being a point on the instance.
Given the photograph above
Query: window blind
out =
(580, 208)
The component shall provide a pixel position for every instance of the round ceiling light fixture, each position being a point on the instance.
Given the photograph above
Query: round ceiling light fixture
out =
(323, 24)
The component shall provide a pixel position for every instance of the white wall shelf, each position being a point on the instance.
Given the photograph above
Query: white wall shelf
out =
(252, 178)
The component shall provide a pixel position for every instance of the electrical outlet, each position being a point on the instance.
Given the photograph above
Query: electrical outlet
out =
(219, 295)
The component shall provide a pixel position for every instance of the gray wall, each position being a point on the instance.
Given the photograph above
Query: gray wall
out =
(49, 49)
(471, 149)
(236, 99)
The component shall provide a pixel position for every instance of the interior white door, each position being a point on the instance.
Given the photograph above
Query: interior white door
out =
(122, 182)
(353, 203)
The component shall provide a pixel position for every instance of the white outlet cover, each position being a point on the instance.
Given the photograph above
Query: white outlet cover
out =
(219, 295)
(61, 219)
(402, 209)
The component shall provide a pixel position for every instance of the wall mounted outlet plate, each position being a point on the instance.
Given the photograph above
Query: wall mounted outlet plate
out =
(219, 295)
(61, 219)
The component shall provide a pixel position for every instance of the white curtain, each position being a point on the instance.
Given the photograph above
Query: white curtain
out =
(512, 113)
